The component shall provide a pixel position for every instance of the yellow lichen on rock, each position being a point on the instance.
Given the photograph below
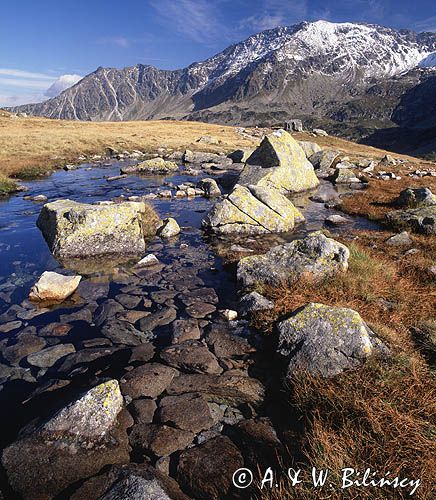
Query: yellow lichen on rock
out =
(280, 162)
(74, 229)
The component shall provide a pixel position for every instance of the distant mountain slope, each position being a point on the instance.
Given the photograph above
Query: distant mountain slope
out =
(352, 77)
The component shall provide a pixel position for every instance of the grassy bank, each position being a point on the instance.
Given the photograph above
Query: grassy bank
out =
(33, 146)
(382, 415)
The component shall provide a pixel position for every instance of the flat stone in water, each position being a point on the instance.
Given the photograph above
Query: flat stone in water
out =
(142, 410)
(122, 332)
(191, 356)
(10, 326)
(84, 314)
(185, 329)
(160, 318)
(107, 310)
(200, 310)
(189, 412)
(159, 439)
(148, 380)
(26, 345)
(128, 301)
(49, 356)
(55, 330)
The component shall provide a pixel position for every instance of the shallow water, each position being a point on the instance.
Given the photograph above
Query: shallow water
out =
(189, 263)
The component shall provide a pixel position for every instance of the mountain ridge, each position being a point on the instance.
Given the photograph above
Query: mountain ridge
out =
(318, 71)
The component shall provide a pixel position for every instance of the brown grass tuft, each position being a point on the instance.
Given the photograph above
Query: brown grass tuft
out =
(382, 415)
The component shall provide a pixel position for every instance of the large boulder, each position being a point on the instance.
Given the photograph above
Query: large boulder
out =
(326, 340)
(419, 220)
(74, 444)
(54, 287)
(152, 166)
(74, 229)
(416, 198)
(252, 210)
(315, 255)
(279, 162)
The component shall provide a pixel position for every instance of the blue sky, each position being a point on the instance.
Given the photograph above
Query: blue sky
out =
(47, 45)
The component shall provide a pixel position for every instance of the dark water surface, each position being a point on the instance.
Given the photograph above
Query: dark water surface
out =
(189, 263)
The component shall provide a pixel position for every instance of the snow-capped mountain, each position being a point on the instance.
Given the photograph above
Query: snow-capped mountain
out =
(337, 72)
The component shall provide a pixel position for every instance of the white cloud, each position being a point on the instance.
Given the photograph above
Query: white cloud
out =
(24, 87)
(62, 83)
(118, 41)
(276, 13)
(196, 19)
(25, 74)
(428, 24)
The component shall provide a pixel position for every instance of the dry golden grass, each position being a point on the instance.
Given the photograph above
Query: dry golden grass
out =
(40, 144)
(378, 199)
(382, 415)
(355, 150)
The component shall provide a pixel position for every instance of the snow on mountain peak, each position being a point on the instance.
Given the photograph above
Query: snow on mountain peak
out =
(348, 49)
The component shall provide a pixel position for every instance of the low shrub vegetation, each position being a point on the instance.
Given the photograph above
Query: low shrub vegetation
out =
(382, 415)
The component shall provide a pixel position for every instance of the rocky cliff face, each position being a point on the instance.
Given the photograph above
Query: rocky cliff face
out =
(339, 73)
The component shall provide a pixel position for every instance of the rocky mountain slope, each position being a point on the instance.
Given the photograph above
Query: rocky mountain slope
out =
(351, 78)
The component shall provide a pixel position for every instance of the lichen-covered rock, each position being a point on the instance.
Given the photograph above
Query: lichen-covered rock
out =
(74, 229)
(326, 340)
(74, 444)
(309, 148)
(169, 228)
(279, 162)
(252, 209)
(419, 220)
(416, 198)
(152, 166)
(400, 239)
(315, 255)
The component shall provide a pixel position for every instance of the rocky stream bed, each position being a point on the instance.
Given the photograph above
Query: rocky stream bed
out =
(190, 391)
